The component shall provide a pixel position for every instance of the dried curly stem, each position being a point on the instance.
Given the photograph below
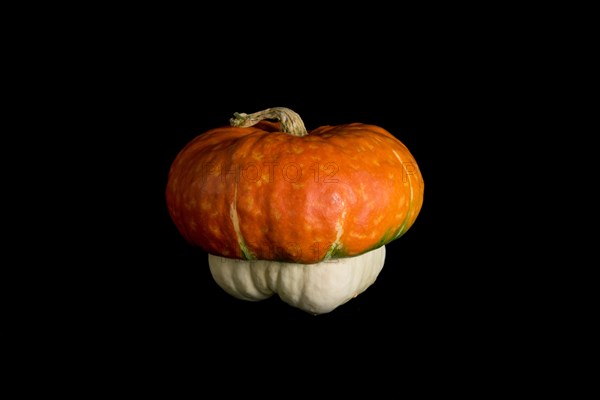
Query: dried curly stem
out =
(290, 121)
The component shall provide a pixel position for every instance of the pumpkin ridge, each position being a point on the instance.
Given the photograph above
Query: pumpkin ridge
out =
(336, 245)
(233, 215)
(404, 224)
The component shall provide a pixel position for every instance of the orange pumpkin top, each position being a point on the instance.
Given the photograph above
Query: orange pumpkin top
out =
(274, 191)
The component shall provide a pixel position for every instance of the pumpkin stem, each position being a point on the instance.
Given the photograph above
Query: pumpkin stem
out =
(290, 121)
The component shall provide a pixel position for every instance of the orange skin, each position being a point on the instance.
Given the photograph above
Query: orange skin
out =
(257, 193)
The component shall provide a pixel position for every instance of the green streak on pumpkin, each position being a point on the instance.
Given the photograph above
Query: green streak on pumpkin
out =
(233, 215)
(333, 252)
(402, 229)
(385, 239)
(245, 252)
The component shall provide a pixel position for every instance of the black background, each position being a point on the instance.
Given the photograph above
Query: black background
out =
(127, 282)
(107, 98)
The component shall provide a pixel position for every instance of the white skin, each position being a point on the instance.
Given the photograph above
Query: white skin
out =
(315, 288)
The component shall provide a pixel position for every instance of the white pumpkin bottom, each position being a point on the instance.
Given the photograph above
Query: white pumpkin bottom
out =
(315, 288)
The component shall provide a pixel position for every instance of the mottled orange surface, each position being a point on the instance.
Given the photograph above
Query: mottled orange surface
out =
(257, 193)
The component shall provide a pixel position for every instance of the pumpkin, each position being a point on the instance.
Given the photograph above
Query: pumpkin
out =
(302, 214)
